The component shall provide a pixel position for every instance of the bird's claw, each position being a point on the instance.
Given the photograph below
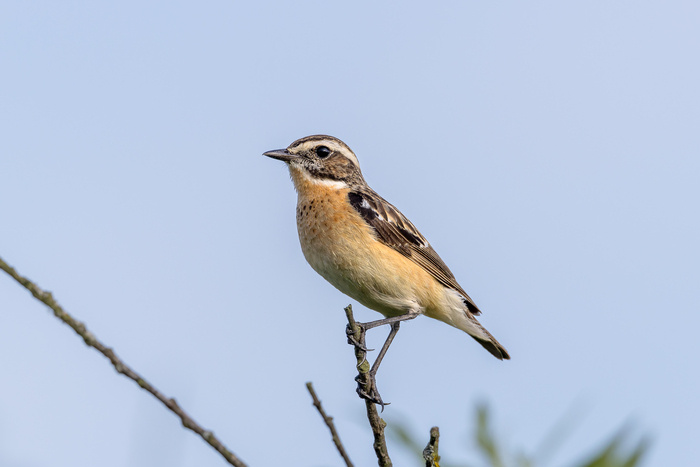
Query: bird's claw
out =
(359, 344)
(367, 389)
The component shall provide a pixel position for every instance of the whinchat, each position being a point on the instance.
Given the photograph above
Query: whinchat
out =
(366, 248)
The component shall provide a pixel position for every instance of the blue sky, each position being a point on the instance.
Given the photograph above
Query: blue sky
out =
(548, 150)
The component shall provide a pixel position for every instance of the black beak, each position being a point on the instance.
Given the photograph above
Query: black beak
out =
(280, 154)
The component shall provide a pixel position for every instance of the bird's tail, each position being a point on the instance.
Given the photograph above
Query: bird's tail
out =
(471, 326)
(490, 343)
(455, 312)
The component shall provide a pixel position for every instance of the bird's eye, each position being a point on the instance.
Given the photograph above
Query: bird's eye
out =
(323, 152)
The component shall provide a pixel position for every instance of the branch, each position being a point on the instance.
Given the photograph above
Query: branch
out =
(119, 365)
(331, 426)
(375, 421)
(430, 453)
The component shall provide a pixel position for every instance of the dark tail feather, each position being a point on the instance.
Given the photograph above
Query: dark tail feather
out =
(492, 345)
(469, 324)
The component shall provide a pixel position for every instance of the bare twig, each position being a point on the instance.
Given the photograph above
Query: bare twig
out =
(430, 453)
(119, 365)
(329, 422)
(375, 421)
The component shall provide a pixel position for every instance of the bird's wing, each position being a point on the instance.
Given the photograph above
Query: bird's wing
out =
(396, 231)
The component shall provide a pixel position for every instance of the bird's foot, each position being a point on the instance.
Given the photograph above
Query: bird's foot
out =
(367, 389)
(358, 343)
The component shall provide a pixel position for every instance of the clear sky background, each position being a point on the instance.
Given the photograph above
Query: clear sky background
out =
(550, 152)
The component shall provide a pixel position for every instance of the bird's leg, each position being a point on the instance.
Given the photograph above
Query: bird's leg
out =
(367, 383)
(364, 327)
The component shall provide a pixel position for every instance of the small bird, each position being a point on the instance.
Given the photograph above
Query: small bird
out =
(367, 249)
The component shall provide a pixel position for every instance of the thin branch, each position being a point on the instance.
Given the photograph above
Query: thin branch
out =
(375, 421)
(430, 453)
(119, 365)
(329, 422)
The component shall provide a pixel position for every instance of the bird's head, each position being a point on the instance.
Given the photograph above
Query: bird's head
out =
(320, 158)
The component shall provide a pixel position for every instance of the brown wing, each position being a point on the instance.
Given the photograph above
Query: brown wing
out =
(395, 230)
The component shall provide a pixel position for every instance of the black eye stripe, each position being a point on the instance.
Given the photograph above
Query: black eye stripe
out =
(323, 152)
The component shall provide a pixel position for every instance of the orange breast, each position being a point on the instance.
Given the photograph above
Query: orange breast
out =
(342, 247)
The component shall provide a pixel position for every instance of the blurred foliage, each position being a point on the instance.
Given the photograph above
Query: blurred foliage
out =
(494, 454)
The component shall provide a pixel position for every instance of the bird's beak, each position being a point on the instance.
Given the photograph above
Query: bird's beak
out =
(280, 154)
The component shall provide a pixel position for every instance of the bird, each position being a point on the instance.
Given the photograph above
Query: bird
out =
(370, 251)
